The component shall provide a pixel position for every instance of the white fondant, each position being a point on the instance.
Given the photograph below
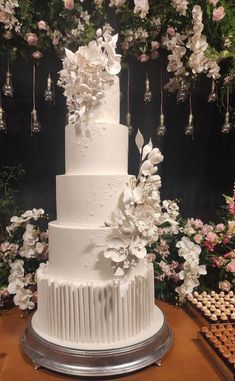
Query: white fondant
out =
(91, 156)
(89, 314)
(88, 199)
(80, 302)
(76, 252)
(107, 109)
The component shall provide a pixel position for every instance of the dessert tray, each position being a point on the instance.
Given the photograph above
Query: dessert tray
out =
(211, 308)
(218, 342)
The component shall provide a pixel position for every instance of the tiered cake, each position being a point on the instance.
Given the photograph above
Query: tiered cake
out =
(81, 304)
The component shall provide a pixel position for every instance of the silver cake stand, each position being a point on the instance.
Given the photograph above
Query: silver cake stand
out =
(96, 363)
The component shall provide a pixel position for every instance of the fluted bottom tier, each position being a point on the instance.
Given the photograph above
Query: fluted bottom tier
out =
(88, 314)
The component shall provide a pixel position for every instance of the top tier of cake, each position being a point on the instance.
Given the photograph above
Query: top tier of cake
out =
(86, 154)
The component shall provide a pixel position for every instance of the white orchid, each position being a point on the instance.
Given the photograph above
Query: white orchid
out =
(22, 299)
(141, 7)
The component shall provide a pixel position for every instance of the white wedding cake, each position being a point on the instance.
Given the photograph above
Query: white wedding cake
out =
(81, 303)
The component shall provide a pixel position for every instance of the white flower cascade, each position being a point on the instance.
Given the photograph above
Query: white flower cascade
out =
(135, 223)
(191, 268)
(85, 74)
(198, 62)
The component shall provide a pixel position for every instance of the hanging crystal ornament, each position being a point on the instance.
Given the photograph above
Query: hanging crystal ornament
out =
(147, 93)
(182, 93)
(7, 87)
(189, 129)
(35, 124)
(3, 126)
(213, 95)
(161, 130)
(49, 93)
(227, 124)
(128, 115)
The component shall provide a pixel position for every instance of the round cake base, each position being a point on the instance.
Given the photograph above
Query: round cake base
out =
(96, 363)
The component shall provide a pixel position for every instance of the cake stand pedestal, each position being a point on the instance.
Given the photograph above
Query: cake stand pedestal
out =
(98, 363)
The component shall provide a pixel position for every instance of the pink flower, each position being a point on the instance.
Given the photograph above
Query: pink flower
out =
(228, 255)
(198, 238)
(209, 245)
(143, 58)
(69, 4)
(213, 2)
(231, 266)
(219, 228)
(42, 25)
(171, 31)
(37, 54)
(198, 224)
(32, 39)
(231, 208)
(218, 14)
(226, 239)
(217, 262)
(150, 258)
(212, 237)
(225, 285)
(155, 45)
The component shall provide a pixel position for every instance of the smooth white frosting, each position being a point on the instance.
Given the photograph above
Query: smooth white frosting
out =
(91, 156)
(88, 199)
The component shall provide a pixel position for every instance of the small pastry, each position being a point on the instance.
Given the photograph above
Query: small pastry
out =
(227, 354)
(204, 308)
(213, 317)
(208, 304)
(223, 316)
(212, 293)
(232, 359)
(232, 316)
(205, 329)
(227, 298)
(194, 301)
(212, 308)
(232, 300)
(209, 334)
(231, 293)
(195, 293)
(199, 297)
(221, 293)
(213, 328)
(226, 303)
(207, 313)
(199, 305)
(218, 305)
(218, 312)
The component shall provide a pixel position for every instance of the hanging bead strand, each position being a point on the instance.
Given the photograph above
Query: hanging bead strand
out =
(227, 124)
(128, 115)
(3, 126)
(213, 95)
(49, 93)
(35, 125)
(161, 130)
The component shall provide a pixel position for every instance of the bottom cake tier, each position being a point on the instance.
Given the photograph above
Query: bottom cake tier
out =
(97, 314)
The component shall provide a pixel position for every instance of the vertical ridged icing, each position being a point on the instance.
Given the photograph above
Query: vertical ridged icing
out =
(97, 312)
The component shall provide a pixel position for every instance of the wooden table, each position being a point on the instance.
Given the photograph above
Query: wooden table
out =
(185, 361)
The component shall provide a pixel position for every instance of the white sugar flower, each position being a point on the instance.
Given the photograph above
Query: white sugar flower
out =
(137, 247)
(116, 249)
(181, 6)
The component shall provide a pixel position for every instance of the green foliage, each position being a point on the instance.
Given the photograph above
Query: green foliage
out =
(9, 177)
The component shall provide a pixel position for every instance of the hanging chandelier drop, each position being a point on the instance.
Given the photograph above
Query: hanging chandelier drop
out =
(35, 124)
(227, 126)
(161, 130)
(7, 87)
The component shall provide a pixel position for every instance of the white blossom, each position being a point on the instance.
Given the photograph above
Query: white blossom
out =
(181, 6)
(141, 7)
(22, 299)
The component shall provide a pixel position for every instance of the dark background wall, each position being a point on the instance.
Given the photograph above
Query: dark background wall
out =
(195, 171)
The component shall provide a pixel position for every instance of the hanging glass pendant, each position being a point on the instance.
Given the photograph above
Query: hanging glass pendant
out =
(189, 128)
(227, 126)
(148, 96)
(128, 123)
(213, 95)
(3, 126)
(7, 87)
(49, 94)
(161, 130)
(182, 93)
(35, 124)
